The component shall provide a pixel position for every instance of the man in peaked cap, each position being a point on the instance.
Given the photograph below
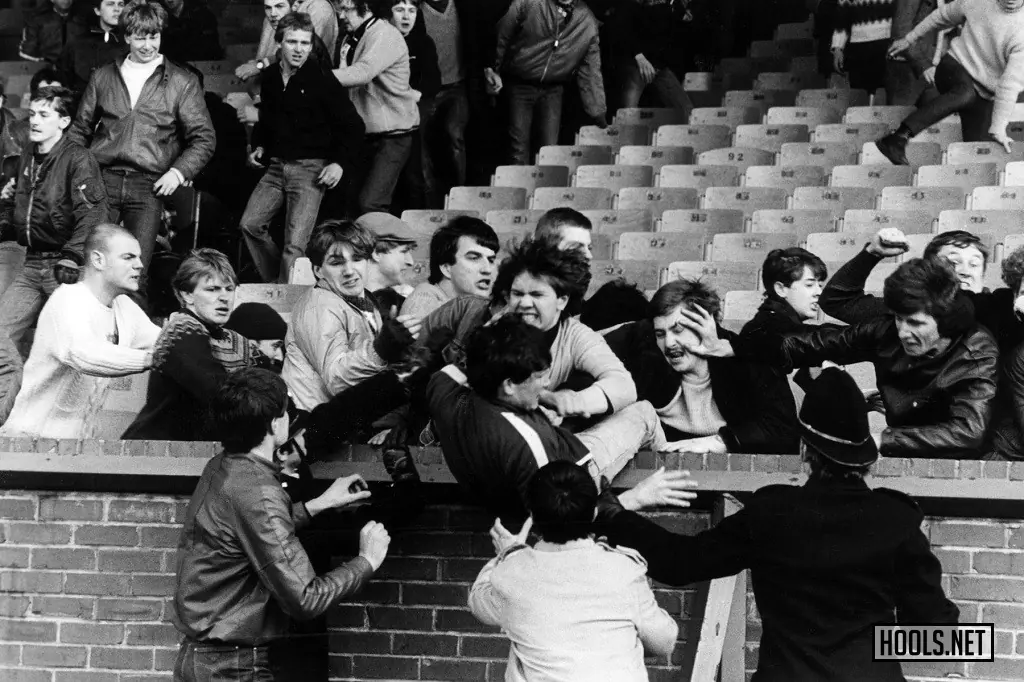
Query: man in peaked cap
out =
(391, 263)
(828, 559)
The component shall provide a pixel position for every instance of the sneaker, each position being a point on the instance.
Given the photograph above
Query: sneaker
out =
(894, 148)
(399, 464)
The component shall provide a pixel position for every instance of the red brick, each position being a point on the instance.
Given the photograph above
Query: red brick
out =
(17, 509)
(128, 609)
(399, 618)
(954, 561)
(404, 568)
(346, 616)
(339, 667)
(84, 676)
(377, 592)
(385, 667)
(458, 620)
(481, 647)
(14, 557)
(999, 563)
(353, 642)
(951, 533)
(39, 533)
(57, 509)
(25, 675)
(1000, 669)
(64, 558)
(10, 654)
(461, 570)
(450, 669)
(417, 643)
(131, 560)
(161, 634)
(1016, 539)
(163, 658)
(432, 544)
(110, 536)
(91, 633)
(1010, 616)
(27, 630)
(54, 656)
(987, 589)
(98, 584)
(447, 595)
(934, 669)
(121, 658)
(153, 585)
(140, 511)
(75, 607)
(160, 536)
(13, 606)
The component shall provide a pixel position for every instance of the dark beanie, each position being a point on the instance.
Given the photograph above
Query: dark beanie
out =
(257, 322)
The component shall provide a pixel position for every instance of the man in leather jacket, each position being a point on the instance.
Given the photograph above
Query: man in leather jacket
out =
(242, 573)
(935, 365)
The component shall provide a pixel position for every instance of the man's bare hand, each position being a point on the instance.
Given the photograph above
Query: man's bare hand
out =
(701, 445)
(494, 83)
(246, 71)
(565, 403)
(701, 323)
(647, 70)
(1002, 138)
(898, 47)
(502, 538)
(888, 242)
(255, 159)
(374, 541)
(248, 113)
(929, 75)
(838, 60)
(330, 175)
(167, 184)
(412, 324)
(662, 488)
(343, 492)
(8, 191)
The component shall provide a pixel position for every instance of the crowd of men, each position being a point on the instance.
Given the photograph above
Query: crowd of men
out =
(536, 394)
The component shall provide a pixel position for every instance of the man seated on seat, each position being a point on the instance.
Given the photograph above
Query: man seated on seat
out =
(462, 257)
(573, 608)
(87, 332)
(494, 434)
(829, 560)
(568, 226)
(936, 367)
(264, 326)
(705, 405)
(389, 268)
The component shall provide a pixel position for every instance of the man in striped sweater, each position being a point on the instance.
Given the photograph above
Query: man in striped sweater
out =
(860, 40)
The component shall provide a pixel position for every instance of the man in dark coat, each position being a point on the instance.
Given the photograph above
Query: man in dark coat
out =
(829, 559)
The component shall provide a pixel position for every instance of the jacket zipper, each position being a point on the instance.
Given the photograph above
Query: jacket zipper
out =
(551, 55)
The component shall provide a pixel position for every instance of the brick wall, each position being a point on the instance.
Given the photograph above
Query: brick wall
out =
(85, 581)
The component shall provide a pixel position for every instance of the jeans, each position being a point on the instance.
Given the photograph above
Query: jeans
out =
(524, 101)
(132, 201)
(293, 184)
(957, 93)
(903, 87)
(666, 85)
(614, 441)
(380, 164)
(866, 65)
(444, 142)
(199, 662)
(19, 309)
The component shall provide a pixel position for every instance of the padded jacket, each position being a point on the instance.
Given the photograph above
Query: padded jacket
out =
(57, 202)
(936, 407)
(168, 128)
(242, 573)
(536, 45)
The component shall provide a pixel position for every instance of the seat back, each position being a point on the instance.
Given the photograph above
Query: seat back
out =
(872, 220)
(573, 156)
(706, 221)
(517, 219)
(740, 157)
(798, 221)
(918, 154)
(727, 116)
(699, 177)
(876, 176)
(657, 200)
(984, 152)
(998, 223)
(579, 198)
(851, 133)
(699, 138)
(660, 247)
(770, 137)
(966, 175)
(614, 136)
(720, 276)
(747, 199)
(530, 177)
(890, 115)
(836, 199)
(932, 199)
(483, 199)
(750, 247)
(614, 177)
(807, 116)
(786, 177)
(644, 274)
(653, 156)
(648, 116)
(996, 198)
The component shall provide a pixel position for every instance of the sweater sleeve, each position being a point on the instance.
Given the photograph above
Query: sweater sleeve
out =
(613, 384)
(484, 601)
(842, 24)
(376, 57)
(656, 628)
(78, 345)
(949, 15)
(1008, 88)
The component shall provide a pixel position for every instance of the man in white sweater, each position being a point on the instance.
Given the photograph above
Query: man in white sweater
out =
(980, 77)
(87, 332)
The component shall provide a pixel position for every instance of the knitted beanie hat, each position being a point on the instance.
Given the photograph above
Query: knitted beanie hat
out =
(257, 322)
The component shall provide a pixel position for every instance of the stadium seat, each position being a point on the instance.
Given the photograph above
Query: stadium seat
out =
(720, 276)
(853, 133)
(784, 80)
(832, 98)
(876, 176)
(426, 221)
(750, 247)
(483, 199)
(966, 175)
(613, 177)
(786, 177)
(944, 133)
(1012, 242)
(645, 275)
(836, 199)
(650, 117)
(933, 199)
(984, 152)
(504, 221)
(657, 200)
(280, 297)
(740, 307)
(997, 199)
(660, 247)
(614, 222)
(703, 81)
(513, 236)
(993, 277)
(838, 246)
(699, 138)
(573, 156)
(824, 154)
(781, 48)
(808, 116)
(727, 116)
(653, 156)
(17, 84)
(760, 99)
(893, 115)
(873, 220)
(746, 199)
(918, 242)
(803, 63)
(530, 177)
(215, 66)
(798, 221)
(769, 137)
(918, 153)
(580, 198)
(998, 223)
(706, 89)
(750, 66)
(240, 52)
(876, 279)
(794, 31)
(740, 157)
(699, 177)
(614, 136)
(707, 221)
(1014, 176)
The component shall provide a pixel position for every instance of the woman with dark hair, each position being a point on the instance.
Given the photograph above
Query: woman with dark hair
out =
(935, 366)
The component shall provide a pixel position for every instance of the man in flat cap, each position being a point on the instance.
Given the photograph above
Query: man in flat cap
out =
(828, 559)
(390, 265)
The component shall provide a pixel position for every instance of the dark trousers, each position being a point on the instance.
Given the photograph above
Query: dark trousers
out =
(351, 413)
(380, 164)
(132, 200)
(198, 662)
(957, 94)
(530, 105)
(444, 141)
(905, 88)
(866, 64)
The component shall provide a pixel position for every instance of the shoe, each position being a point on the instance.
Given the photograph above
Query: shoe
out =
(399, 464)
(894, 147)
